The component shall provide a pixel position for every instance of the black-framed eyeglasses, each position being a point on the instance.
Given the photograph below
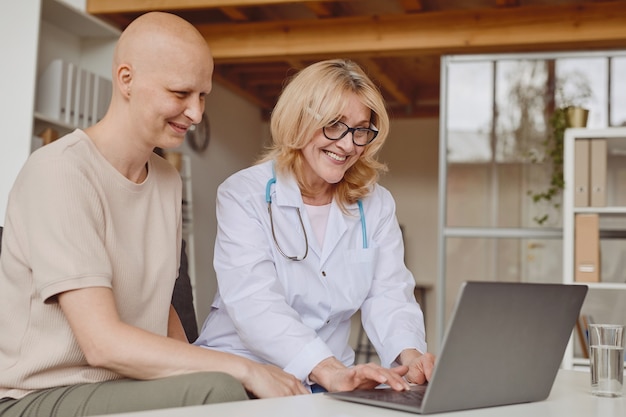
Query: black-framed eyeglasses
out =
(361, 136)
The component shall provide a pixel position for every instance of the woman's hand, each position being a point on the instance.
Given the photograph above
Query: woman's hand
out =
(420, 365)
(335, 376)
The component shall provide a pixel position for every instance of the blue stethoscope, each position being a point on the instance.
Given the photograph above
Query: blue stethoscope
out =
(268, 199)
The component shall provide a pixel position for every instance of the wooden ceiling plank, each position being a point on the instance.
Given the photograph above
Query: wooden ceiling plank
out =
(488, 30)
(507, 3)
(235, 14)
(412, 6)
(134, 6)
(385, 81)
(321, 9)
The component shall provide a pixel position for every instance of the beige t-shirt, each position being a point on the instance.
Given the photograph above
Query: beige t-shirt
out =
(73, 221)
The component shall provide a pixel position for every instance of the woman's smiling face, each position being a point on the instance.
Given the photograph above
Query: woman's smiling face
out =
(328, 160)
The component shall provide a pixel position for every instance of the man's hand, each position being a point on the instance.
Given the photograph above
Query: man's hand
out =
(266, 381)
(108, 342)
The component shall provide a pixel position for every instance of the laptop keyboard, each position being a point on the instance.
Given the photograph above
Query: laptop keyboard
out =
(413, 397)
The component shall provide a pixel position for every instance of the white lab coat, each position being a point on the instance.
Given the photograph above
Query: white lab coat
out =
(295, 314)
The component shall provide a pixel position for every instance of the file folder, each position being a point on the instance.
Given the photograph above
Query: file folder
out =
(587, 248)
(72, 95)
(101, 98)
(52, 90)
(70, 99)
(79, 87)
(597, 172)
(87, 102)
(581, 172)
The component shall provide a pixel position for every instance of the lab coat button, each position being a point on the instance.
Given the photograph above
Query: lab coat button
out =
(327, 321)
(324, 273)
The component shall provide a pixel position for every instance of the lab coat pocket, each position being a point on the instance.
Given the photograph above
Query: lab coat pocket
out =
(360, 272)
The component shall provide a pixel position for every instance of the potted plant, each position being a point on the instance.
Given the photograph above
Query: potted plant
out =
(571, 96)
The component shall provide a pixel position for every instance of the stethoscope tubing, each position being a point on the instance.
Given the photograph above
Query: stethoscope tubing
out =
(268, 200)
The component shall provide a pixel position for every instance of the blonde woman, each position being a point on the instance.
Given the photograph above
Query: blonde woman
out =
(307, 237)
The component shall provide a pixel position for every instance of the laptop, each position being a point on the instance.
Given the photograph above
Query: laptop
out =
(504, 345)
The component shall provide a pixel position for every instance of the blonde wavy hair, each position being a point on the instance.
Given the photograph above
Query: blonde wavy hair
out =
(314, 98)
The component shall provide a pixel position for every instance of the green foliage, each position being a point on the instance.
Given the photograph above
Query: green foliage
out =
(554, 154)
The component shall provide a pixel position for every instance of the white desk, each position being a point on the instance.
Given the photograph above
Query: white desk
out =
(570, 396)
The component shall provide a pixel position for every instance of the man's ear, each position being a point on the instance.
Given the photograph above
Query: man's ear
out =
(124, 79)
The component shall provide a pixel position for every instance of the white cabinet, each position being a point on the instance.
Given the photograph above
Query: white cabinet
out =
(188, 226)
(71, 35)
(606, 299)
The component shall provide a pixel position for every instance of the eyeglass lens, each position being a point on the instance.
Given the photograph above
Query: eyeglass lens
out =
(361, 136)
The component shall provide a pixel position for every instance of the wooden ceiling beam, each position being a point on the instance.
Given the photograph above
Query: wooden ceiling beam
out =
(241, 91)
(135, 6)
(528, 28)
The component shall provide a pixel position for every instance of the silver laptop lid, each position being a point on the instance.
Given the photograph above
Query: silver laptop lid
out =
(504, 345)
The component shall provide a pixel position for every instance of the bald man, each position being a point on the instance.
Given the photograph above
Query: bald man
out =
(91, 251)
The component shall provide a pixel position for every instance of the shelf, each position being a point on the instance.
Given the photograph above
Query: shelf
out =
(76, 21)
(41, 118)
(503, 232)
(600, 210)
(585, 133)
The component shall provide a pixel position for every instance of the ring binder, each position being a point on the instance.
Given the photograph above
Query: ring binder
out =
(72, 95)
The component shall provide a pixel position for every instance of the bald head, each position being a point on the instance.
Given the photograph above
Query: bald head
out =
(162, 69)
(155, 36)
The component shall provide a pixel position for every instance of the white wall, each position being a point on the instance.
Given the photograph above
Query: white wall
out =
(236, 140)
(19, 31)
(411, 153)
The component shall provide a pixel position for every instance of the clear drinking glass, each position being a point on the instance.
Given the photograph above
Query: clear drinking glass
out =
(606, 356)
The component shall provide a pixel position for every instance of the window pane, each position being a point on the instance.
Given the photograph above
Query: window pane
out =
(521, 97)
(496, 195)
(469, 111)
(515, 164)
(508, 260)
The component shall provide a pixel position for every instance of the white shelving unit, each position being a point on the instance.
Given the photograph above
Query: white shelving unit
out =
(81, 24)
(75, 36)
(616, 142)
(188, 227)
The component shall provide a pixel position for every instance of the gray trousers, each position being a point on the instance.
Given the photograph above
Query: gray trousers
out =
(126, 395)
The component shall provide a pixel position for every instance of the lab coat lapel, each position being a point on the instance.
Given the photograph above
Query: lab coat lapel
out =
(287, 192)
(288, 195)
(335, 229)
